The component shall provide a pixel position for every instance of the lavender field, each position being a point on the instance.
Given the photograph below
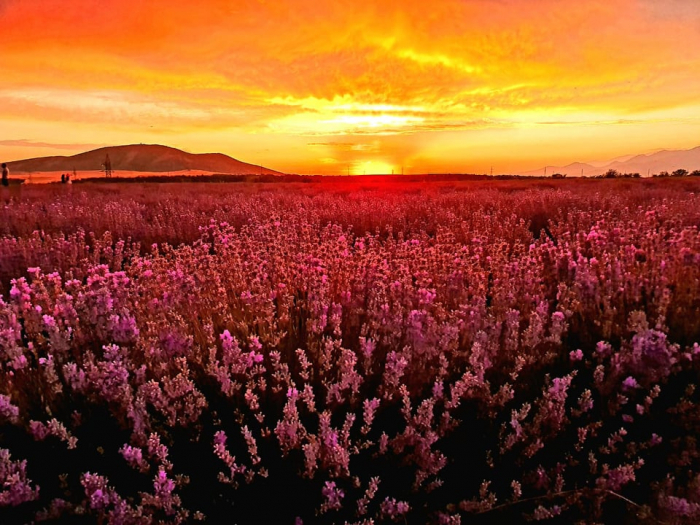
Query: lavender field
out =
(467, 352)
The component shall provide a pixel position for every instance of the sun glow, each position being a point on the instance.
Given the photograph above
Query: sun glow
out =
(378, 122)
(344, 116)
(374, 167)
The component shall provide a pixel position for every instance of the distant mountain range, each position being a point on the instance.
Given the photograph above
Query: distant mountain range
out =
(140, 157)
(664, 160)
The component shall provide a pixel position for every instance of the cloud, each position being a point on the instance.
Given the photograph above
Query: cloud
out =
(124, 108)
(349, 146)
(335, 70)
(374, 53)
(24, 143)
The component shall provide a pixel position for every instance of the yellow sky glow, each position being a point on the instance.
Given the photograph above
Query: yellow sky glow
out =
(331, 87)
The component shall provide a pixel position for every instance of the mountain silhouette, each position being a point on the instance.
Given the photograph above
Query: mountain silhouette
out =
(664, 160)
(140, 157)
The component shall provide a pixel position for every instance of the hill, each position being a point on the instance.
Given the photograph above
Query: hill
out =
(151, 158)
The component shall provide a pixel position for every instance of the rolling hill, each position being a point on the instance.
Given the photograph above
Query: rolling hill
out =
(151, 158)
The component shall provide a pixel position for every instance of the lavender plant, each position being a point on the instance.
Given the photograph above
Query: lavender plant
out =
(359, 356)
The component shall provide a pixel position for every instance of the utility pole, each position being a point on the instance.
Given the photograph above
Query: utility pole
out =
(108, 167)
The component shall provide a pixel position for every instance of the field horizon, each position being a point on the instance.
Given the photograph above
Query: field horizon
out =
(144, 160)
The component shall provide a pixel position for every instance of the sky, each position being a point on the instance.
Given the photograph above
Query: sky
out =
(353, 86)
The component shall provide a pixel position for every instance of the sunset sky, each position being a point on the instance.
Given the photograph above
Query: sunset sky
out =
(312, 86)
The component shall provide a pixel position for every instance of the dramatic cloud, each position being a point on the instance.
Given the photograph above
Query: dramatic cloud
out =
(281, 72)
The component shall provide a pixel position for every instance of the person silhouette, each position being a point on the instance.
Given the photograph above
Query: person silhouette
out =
(63, 178)
(5, 182)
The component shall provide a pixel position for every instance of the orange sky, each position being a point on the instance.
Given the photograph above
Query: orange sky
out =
(312, 86)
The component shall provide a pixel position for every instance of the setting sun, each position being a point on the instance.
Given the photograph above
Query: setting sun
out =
(373, 167)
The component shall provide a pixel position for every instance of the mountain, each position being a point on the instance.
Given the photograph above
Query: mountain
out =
(623, 158)
(140, 157)
(664, 160)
